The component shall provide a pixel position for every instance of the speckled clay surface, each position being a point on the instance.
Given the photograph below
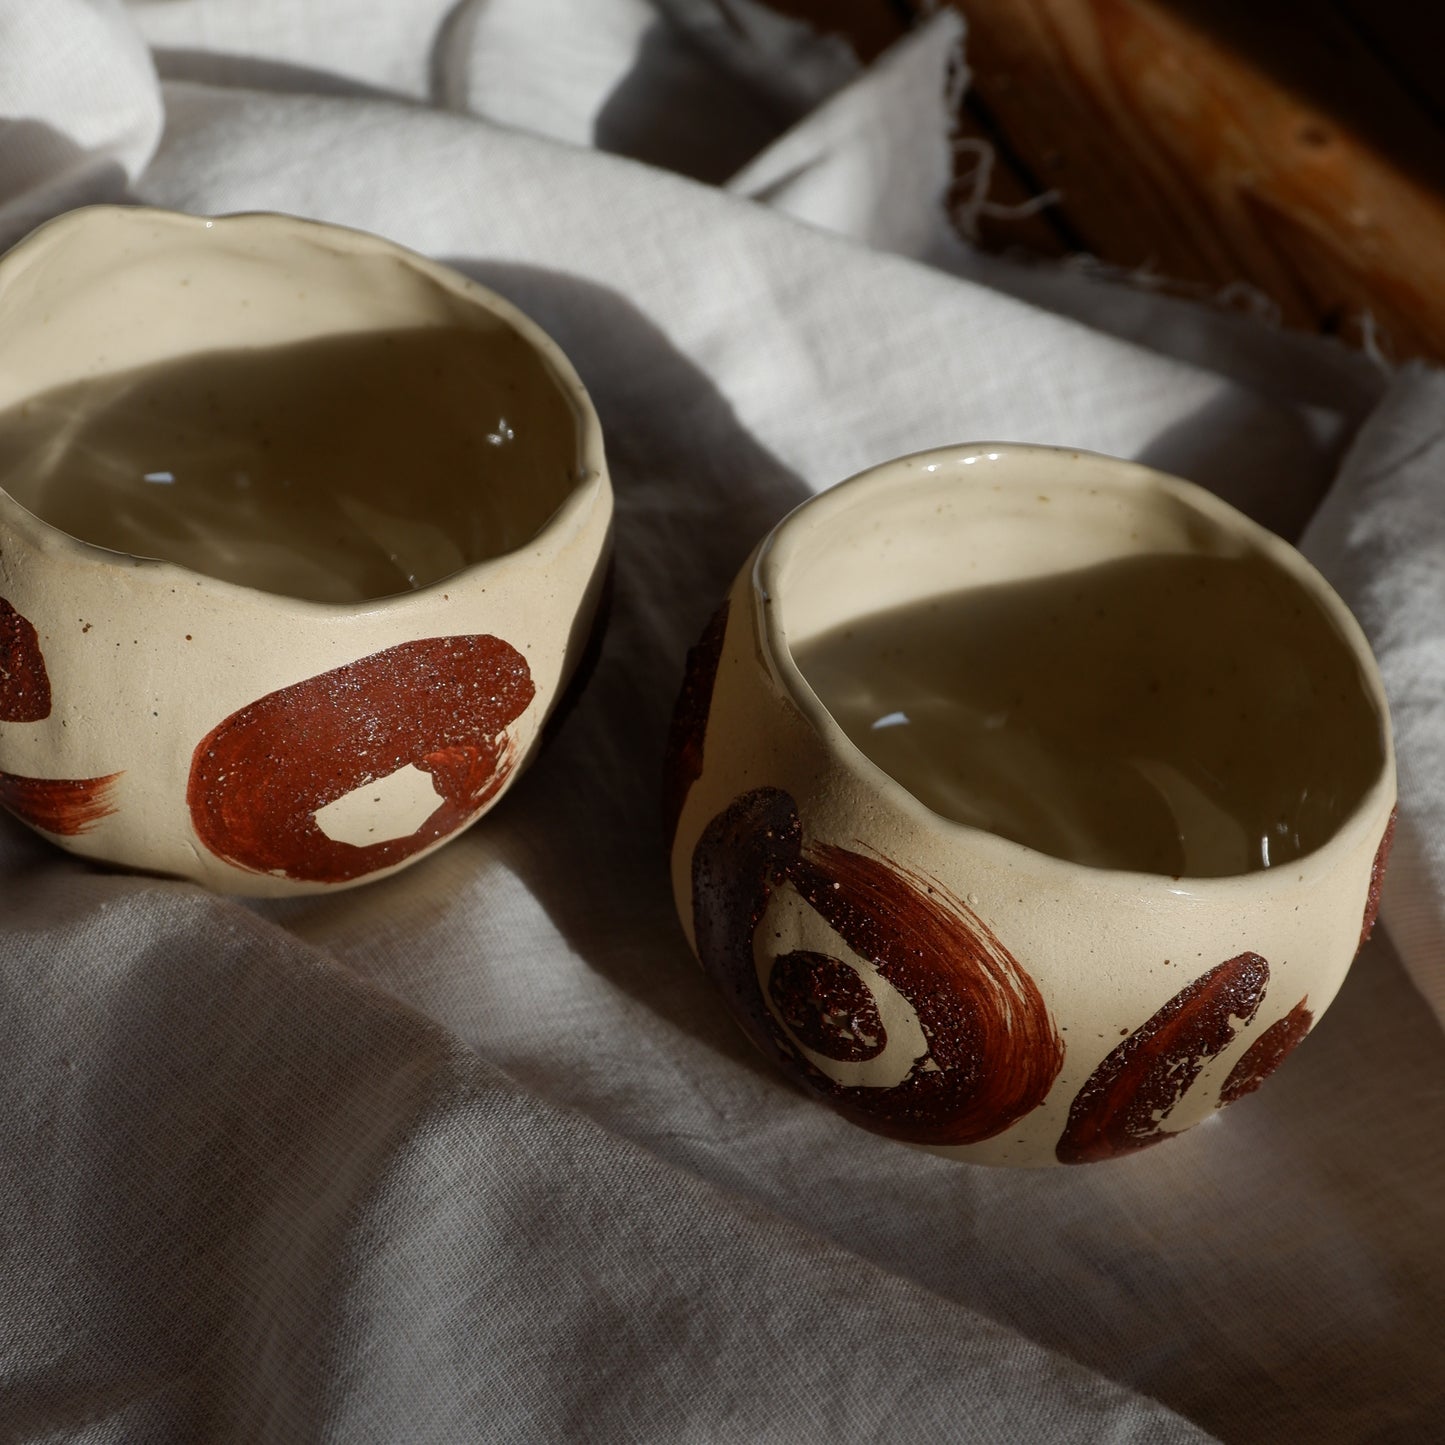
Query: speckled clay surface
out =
(947, 986)
(369, 666)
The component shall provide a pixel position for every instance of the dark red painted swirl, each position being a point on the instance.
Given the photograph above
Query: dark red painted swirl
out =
(441, 705)
(66, 807)
(742, 856)
(1377, 879)
(827, 1006)
(24, 682)
(682, 764)
(993, 1051)
(1125, 1101)
(1267, 1053)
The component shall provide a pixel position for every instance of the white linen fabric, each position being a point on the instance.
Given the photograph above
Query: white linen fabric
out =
(474, 1153)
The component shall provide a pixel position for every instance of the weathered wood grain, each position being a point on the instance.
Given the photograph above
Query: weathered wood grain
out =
(1297, 147)
(1180, 154)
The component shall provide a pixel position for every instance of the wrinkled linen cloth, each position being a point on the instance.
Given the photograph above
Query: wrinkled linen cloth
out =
(474, 1153)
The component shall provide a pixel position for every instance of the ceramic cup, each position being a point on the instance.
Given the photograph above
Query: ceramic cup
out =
(301, 537)
(1028, 805)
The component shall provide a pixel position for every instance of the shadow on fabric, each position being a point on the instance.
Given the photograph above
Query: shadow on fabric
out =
(695, 492)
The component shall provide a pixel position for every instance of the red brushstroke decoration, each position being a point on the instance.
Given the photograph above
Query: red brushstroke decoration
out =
(24, 682)
(66, 807)
(1377, 879)
(441, 705)
(1123, 1105)
(682, 765)
(1267, 1053)
(993, 1051)
(827, 1006)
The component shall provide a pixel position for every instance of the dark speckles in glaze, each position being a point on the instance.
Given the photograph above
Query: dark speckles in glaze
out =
(1124, 1103)
(24, 681)
(441, 705)
(992, 1050)
(1377, 879)
(1267, 1053)
(682, 765)
(742, 856)
(827, 1006)
(66, 807)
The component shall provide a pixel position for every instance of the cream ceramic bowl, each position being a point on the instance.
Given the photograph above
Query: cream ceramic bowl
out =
(1114, 700)
(301, 537)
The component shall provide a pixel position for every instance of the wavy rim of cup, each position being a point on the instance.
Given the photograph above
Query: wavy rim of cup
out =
(778, 549)
(590, 482)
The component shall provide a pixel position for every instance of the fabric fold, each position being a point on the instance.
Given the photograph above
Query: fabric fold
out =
(475, 1151)
(56, 153)
(1380, 539)
(304, 1210)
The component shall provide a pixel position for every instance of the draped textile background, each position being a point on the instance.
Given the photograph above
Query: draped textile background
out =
(473, 1153)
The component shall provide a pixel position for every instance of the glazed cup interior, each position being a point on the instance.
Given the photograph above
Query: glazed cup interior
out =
(1081, 656)
(292, 407)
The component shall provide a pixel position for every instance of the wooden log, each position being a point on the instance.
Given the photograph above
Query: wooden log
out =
(1297, 147)
(1177, 150)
